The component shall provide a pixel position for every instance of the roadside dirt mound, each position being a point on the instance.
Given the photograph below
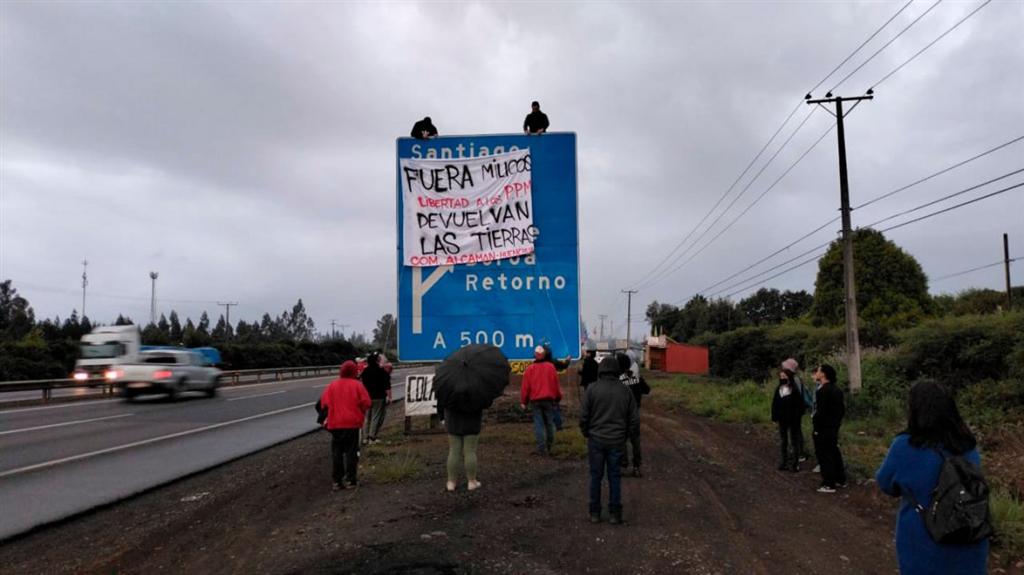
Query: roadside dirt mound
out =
(710, 502)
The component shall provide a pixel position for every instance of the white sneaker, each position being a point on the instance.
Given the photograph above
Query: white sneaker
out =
(450, 486)
(473, 485)
(826, 489)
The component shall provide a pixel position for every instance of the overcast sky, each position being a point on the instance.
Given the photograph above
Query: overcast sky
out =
(245, 150)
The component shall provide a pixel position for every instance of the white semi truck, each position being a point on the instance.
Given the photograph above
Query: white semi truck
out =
(106, 348)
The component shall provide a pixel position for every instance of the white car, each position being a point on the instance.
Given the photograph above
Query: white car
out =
(170, 371)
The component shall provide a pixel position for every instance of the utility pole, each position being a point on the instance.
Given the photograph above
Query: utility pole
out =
(227, 318)
(852, 338)
(1006, 265)
(335, 322)
(152, 298)
(629, 313)
(85, 282)
(603, 317)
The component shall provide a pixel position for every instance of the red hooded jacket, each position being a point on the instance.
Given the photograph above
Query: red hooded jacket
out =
(540, 382)
(345, 400)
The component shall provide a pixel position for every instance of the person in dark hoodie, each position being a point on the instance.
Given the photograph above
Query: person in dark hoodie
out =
(341, 408)
(630, 377)
(608, 416)
(378, 385)
(787, 409)
(424, 129)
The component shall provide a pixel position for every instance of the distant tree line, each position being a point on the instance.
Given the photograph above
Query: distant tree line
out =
(48, 348)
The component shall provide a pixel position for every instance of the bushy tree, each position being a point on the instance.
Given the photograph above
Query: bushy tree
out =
(385, 335)
(16, 315)
(175, 330)
(892, 290)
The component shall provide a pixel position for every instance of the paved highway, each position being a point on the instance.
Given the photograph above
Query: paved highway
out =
(58, 460)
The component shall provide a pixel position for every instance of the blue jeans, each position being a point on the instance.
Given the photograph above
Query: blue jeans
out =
(604, 457)
(544, 424)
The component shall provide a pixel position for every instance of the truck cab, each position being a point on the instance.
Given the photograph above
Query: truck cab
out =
(104, 349)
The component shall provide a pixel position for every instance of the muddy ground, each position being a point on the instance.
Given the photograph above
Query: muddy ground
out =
(710, 501)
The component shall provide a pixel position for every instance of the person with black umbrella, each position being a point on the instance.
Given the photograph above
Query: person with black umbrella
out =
(466, 383)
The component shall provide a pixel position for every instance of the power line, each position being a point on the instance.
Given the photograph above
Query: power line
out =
(886, 45)
(769, 270)
(879, 198)
(745, 210)
(813, 259)
(940, 172)
(944, 198)
(862, 44)
(778, 130)
(960, 205)
(932, 43)
(979, 268)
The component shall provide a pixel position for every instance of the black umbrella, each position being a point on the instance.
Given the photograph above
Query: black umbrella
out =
(471, 378)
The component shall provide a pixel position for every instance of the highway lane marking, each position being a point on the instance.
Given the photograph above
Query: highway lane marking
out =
(69, 404)
(259, 395)
(116, 448)
(38, 427)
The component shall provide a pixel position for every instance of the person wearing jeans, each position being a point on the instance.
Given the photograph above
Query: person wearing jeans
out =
(541, 392)
(608, 417)
(378, 384)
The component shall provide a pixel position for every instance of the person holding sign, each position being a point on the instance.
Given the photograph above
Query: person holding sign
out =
(424, 129)
(536, 122)
(341, 409)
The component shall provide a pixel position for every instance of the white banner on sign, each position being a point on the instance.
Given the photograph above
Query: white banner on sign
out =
(419, 395)
(467, 210)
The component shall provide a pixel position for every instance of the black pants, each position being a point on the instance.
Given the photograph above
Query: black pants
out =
(790, 432)
(344, 454)
(826, 447)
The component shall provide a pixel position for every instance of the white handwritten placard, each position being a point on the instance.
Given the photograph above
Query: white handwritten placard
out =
(467, 210)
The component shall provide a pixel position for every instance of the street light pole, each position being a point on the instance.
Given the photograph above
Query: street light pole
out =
(152, 298)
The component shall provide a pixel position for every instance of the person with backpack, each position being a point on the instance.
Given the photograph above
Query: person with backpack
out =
(787, 410)
(631, 378)
(829, 411)
(943, 525)
(808, 397)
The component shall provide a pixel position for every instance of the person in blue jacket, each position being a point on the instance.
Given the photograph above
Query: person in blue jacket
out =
(912, 465)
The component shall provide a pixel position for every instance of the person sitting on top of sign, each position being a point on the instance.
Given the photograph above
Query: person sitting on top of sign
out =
(536, 122)
(424, 129)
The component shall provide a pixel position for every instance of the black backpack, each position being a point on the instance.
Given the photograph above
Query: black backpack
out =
(959, 512)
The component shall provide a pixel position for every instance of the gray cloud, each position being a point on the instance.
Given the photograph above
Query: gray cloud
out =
(246, 151)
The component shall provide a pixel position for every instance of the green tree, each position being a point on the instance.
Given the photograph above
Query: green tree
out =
(662, 316)
(796, 303)
(203, 329)
(892, 290)
(763, 307)
(16, 315)
(123, 320)
(153, 335)
(221, 331)
(385, 335)
(298, 325)
(175, 331)
(165, 327)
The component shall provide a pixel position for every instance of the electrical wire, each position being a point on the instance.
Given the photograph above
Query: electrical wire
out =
(951, 208)
(979, 268)
(887, 44)
(813, 259)
(932, 43)
(944, 198)
(769, 270)
(940, 172)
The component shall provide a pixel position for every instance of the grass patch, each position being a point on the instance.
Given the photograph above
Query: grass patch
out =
(1008, 520)
(390, 466)
(569, 443)
(745, 402)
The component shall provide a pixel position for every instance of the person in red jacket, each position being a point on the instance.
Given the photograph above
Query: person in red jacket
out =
(540, 391)
(342, 407)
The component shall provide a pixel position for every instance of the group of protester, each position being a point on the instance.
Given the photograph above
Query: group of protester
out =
(354, 404)
(943, 524)
(790, 402)
(536, 122)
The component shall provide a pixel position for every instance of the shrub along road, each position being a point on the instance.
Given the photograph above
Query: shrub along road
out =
(711, 501)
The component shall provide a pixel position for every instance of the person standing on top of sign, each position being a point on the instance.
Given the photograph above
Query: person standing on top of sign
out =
(541, 392)
(424, 129)
(378, 383)
(536, 122)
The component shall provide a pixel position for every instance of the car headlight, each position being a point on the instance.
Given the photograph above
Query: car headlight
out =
(80, 376)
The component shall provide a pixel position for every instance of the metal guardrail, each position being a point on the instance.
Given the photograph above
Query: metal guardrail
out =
(229, 377)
